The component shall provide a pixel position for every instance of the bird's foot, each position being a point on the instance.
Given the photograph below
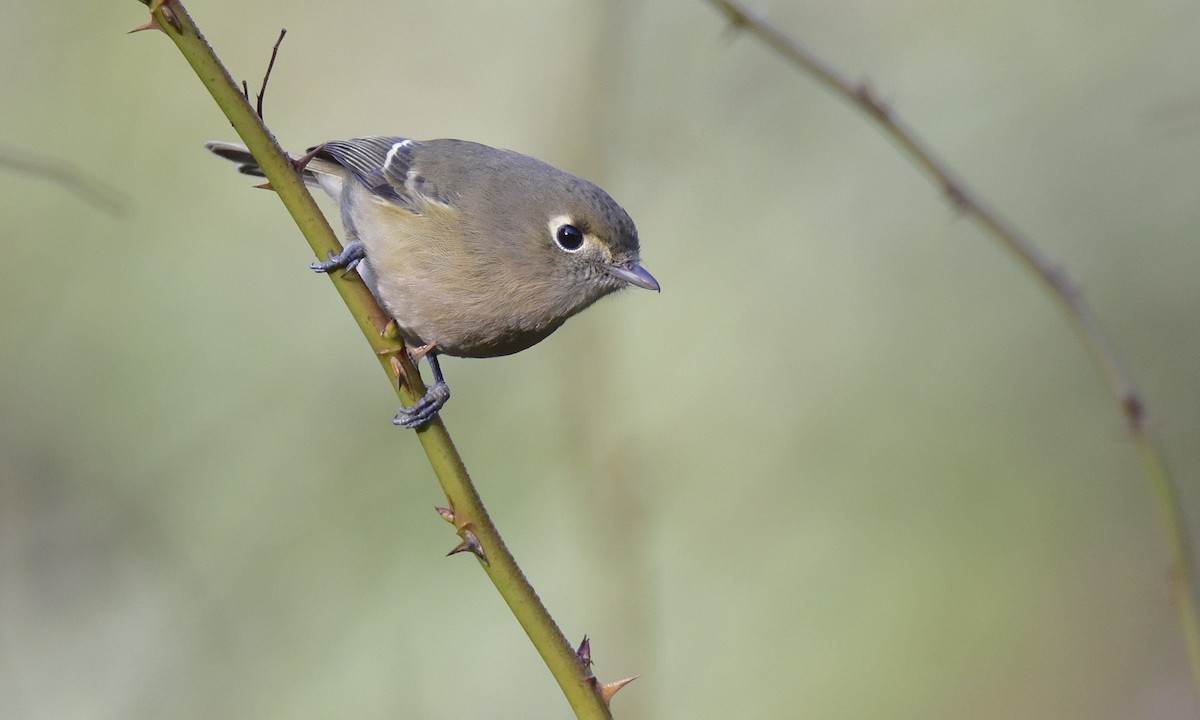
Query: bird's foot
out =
(348, 258)
(425, 409)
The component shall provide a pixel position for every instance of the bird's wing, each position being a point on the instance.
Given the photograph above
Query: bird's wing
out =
(385, 166)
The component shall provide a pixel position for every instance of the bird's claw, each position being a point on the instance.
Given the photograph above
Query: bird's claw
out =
(426, 409)
(348, 258)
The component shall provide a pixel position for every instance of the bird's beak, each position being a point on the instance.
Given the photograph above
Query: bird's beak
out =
(634, 274)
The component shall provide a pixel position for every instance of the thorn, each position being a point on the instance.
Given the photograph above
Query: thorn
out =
(415, 354)
(584, 653)
(608, 690)
(390, 331)
(171, 19)
(398, 369)
(471, 543)
(446, 513)
(151, 24)
(168, 14)
(302, 162)
(265, 186)
(1135, 410)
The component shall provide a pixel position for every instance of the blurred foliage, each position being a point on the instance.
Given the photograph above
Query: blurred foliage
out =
(849, 464)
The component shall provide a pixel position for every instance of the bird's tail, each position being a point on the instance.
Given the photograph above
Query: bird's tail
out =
(247, 165)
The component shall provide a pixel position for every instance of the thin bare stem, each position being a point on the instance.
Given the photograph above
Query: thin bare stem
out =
(466, 510)
(1052, 276)
(93, 190)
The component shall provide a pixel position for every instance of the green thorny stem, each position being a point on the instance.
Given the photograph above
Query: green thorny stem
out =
(586, 696)
(1051, 276)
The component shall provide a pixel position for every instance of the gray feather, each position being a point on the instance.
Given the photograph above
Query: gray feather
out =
(366, 158)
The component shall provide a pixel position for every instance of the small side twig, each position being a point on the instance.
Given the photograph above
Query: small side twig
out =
(258, 105)
(1052, 276)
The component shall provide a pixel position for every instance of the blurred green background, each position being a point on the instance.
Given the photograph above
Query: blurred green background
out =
(851, 463)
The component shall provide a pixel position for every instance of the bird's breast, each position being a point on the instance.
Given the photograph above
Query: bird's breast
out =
(460, 292)
(464, 310)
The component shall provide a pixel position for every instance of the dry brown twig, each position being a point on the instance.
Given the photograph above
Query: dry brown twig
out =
(1051, 275)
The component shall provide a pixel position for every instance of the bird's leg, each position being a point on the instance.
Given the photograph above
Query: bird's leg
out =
(348, 258)
(425, 409)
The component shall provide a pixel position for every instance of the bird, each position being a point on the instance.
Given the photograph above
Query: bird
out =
(472, 250)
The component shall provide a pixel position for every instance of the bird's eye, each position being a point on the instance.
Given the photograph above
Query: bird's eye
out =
(568, 237)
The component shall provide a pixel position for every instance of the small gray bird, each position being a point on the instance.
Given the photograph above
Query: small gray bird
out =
(474, 251)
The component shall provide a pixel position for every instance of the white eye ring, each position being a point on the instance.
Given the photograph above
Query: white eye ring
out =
(567, 236)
